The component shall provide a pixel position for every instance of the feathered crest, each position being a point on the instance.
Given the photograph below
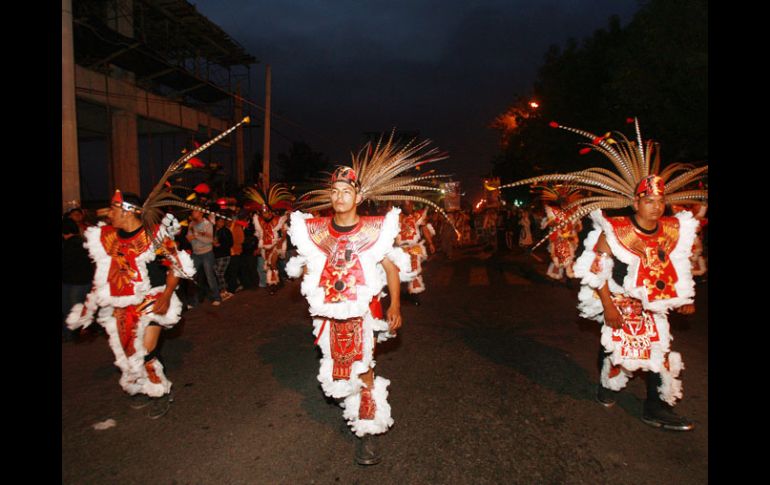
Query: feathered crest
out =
(162, 196)
(555, 194)
(278, 197)
(633, 161)
(384, 171)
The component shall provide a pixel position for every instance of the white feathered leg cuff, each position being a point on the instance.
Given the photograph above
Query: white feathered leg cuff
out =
(382, 419)
(670, 389)
(616, 382)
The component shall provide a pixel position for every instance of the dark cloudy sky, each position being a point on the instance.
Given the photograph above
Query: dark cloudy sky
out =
(444, 68)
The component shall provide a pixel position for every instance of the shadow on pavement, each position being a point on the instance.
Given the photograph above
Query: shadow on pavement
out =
(547, 366)
(294, 361)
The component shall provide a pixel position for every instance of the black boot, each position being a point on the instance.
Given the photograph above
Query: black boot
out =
(606, 397)
(159, 406)
(366, 451)
(139, 401)
(660, 414)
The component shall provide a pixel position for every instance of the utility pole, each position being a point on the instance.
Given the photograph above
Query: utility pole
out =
(266, 146)
(238, 109)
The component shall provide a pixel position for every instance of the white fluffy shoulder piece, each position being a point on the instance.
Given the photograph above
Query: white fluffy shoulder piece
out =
(311, 257)
(297, 231)
(685, 286)
(582, 267)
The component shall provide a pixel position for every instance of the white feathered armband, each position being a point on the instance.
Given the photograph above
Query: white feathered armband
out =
(295, 267)
(594, 269)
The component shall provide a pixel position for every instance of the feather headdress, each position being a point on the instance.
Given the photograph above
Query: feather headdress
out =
(634, 162)
(151, 213)
(278, 197)
(383, 172)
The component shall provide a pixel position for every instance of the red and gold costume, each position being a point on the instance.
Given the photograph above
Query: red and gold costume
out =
(562, 243)
(344, 276)
(343, 284)
(656, 276)
(411, 241)
(122, 289)
(270, 243)
(658, 279)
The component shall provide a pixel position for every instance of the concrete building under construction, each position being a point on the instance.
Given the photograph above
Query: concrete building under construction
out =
(142, 79)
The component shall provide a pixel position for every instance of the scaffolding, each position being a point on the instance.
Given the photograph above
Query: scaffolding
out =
(171, 49)
(162, 53)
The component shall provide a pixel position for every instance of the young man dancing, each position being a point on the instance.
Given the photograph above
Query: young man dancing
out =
(347, 260)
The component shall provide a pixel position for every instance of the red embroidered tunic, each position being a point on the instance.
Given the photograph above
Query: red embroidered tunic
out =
(656, 271)
(410, 227)
(124, 272)
(269, 228)
(342, 271)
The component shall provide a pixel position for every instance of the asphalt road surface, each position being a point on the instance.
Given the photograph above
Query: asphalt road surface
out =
(493, 379)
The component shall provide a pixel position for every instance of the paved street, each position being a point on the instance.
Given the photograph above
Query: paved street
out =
(493, 381)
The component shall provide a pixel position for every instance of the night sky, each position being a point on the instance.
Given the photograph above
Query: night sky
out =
(445, 68)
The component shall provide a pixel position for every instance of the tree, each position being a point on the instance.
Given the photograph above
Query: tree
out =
(301, 163)
(654, 68)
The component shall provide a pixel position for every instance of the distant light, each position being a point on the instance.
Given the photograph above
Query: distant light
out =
(534, 105)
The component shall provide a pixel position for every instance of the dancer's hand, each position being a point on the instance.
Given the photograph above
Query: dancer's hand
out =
(160, 307)
(394, 318)
(612, 317)
(688, 309)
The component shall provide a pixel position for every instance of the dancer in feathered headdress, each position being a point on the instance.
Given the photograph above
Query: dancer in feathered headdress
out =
(631, 299)
(346, 261)
(135, 297)
(415, 231)
(269, 228)
(563, 242)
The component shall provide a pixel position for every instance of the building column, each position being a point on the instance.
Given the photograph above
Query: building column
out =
(70, 169)
(125, 152)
